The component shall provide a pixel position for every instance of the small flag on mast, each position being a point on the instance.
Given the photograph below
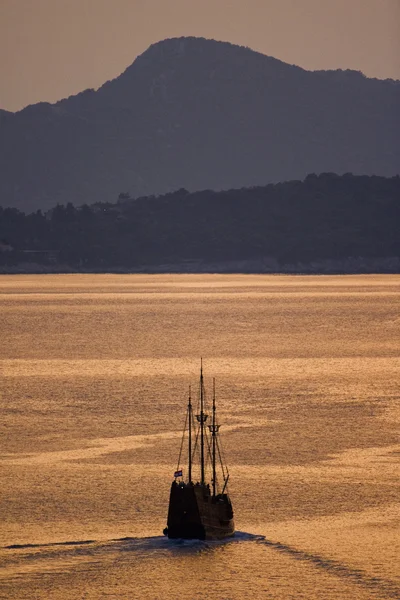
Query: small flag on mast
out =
(178, 473)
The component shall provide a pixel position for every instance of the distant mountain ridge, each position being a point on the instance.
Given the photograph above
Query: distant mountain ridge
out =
(198, 114)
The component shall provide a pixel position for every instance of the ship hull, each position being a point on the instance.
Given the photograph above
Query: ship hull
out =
(195, 514)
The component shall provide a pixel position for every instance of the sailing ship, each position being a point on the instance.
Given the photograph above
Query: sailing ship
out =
(200, 508)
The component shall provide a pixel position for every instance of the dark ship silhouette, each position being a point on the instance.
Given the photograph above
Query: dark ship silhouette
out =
(201, 510)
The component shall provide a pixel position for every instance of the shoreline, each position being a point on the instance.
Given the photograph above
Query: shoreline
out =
(350, 266)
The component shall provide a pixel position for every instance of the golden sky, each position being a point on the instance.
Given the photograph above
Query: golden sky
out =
(50, 49)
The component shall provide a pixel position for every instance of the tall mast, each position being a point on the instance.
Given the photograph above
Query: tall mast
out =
(214, 428)
(202, 419)
(214, 433)
(190, 436)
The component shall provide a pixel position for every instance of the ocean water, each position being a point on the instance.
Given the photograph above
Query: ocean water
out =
(95, 372)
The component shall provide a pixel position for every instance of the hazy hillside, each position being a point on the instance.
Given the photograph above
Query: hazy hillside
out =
(197, 114)
(350, 220)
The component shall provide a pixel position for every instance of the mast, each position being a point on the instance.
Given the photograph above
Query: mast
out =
(190, 436)
(202, 419)
(214, 428)
(214, 432)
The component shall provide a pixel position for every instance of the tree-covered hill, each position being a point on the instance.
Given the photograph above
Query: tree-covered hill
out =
(324, 218)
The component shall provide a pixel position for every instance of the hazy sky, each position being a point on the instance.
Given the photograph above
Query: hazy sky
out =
(50, 49)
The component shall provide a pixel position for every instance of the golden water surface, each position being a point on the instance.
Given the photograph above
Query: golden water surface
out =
(94, 377)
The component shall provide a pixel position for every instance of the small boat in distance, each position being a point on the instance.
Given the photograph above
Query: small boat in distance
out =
(201, 509)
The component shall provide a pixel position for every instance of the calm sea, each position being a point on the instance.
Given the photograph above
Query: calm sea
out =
(95, 372)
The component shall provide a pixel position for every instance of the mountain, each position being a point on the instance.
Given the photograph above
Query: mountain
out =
(198, 114)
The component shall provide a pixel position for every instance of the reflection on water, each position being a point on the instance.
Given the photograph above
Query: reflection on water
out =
(95, 372)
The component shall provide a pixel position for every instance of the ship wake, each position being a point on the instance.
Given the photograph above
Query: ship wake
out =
(384, 586)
